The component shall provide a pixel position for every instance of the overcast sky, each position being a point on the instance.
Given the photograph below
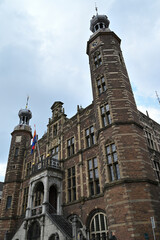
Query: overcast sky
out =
(43, 55)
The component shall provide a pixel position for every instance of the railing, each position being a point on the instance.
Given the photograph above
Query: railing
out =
(50, 209)
(36, 210)
(46, 163)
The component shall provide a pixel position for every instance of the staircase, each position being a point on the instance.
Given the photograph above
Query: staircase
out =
(60, 222)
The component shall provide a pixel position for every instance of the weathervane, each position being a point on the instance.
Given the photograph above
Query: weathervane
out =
(27, 102)
(96, 8)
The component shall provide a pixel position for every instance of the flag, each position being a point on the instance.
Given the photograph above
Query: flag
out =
(34, 141)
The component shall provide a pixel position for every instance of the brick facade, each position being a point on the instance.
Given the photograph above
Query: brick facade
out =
(107, 156)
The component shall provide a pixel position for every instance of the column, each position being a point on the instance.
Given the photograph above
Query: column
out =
(46, 194)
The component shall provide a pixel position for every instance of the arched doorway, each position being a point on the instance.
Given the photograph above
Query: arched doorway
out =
(53, 199)
(54, 236)
(34, 231)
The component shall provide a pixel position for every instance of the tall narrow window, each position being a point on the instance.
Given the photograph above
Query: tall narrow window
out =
(90, 139)
(71, 179)
(28, 172)
(105, 115)
(156, 167)
(38, 195)
(54, 152)
(25, 199)
(70, 146)
(55, 130)
(150, 140)
(97, 59)
(94, 187)
(101, 85)
(16, 152)
(112, 162)
(9, 202)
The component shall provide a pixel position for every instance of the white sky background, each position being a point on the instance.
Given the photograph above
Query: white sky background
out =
(43, 55)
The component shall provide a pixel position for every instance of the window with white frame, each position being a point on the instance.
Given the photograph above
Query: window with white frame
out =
(97, 59)
(54, 152)
(71, 179)
(89, 135)
(112, 162)
(98, 227)
(105, 115)
(94, 187)
(70, 146)
(101, 85)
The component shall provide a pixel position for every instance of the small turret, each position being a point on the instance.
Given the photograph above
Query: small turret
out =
(99, 22)
(24, 117)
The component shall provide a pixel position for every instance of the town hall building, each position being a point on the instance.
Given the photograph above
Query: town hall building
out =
(90, 176)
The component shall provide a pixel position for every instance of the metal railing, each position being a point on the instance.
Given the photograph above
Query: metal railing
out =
(50, 209)
(46, 163)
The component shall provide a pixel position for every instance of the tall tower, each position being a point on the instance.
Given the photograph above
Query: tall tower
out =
(128, 177)
(21, 138)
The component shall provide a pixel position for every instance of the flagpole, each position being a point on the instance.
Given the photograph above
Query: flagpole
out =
(37, 144)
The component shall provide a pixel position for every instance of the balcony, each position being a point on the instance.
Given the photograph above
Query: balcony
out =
(45, 164)
(36, 210)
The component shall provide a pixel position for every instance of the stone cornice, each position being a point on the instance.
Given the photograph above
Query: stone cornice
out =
(128, 180)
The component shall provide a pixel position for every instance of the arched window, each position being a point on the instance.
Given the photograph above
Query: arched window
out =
(34, 231)
(53, 199)
(98, 227)
(38, 194)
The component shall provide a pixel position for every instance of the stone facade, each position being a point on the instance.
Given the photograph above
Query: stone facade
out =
(93, 174)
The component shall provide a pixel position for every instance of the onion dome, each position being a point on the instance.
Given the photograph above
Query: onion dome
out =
(24, 115)
(99, 22)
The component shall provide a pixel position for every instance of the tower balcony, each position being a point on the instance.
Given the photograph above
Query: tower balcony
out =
(48, 163)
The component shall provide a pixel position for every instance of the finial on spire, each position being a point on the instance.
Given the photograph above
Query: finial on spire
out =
(27, 102)
(96, 8)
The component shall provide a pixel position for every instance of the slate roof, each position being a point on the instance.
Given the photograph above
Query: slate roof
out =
(62, 223)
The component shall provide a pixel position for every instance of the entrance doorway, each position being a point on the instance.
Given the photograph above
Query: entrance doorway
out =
(53, 199)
